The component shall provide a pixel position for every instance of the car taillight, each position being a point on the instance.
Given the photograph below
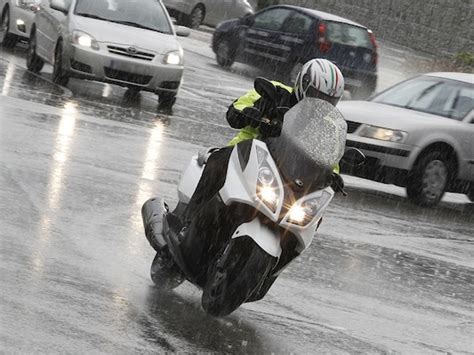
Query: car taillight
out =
(375, 56)
(323, 45)
(372, 39)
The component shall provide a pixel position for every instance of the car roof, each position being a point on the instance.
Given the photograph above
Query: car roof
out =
(322, 15)
(464, 77)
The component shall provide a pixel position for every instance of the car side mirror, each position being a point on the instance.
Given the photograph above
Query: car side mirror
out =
(182, 31)
(59, 5)
(353, 157)
(265, 88)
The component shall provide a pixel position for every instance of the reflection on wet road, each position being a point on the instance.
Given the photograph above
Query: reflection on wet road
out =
(76, 165)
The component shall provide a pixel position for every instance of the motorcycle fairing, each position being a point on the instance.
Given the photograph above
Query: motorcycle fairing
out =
(240, 187)
(266, 237)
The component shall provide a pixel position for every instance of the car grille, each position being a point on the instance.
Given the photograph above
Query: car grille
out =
(126, 76)
(352, 126)
(131, 52)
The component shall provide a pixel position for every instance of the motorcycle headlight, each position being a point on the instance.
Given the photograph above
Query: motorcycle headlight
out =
(268, 190)
(84, 40)
(383, 134)
(173, 58)
(304, 212)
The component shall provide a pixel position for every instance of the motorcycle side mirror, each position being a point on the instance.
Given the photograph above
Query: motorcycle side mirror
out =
(265, 88)
(353, 157)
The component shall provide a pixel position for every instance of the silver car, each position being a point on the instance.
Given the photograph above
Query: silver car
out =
(418, 134)
(193, 13)
(131, 43)
(16, 18)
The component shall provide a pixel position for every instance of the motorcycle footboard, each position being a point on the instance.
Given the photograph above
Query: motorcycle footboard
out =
(153, 212)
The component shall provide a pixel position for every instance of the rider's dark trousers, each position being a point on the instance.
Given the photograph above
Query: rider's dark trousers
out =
(201, 208)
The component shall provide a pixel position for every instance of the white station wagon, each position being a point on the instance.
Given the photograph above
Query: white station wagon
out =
(131, 43)
(418, 134)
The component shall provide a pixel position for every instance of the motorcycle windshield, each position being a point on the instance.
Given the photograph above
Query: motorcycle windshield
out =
(311, 144)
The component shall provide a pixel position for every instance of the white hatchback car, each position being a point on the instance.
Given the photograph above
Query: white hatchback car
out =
(131, 43)
(16, 18)
(418, 134)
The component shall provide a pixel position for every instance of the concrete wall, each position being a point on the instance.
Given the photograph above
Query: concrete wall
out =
(432, 26)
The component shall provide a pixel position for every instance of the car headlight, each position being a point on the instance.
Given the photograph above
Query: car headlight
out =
(383, 134)
(85, 40)
(304, 212)
(268, 190)
(173, 58)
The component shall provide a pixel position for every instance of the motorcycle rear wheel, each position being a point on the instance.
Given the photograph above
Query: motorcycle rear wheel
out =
(235, 275)
(164, 272)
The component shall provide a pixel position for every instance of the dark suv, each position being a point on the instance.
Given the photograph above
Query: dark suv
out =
(285, 37)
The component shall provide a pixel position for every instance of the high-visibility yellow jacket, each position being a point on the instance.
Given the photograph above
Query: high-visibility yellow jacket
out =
(247, 100)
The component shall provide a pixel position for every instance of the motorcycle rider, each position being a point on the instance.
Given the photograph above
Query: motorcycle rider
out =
(318, 78)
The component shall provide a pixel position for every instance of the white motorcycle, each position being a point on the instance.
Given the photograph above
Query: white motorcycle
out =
(266, 213)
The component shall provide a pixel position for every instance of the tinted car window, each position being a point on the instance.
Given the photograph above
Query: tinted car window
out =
(432, 95)
(142, 13)
(343, 33)
(271, 19)
(297, 23)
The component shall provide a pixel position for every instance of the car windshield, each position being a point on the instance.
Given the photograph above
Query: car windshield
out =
(344, 33)
(146, 14)
(447, 98)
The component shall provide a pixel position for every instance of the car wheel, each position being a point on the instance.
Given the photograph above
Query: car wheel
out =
(196, 17)
(225, 56)
(429, 179)
(166, 100)
(60, 76)
(8, 40)
(33, 62)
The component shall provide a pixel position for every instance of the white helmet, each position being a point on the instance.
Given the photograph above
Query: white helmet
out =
(320, 78)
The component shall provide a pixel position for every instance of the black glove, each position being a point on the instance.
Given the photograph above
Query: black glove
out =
(271, 129)
(252, 116)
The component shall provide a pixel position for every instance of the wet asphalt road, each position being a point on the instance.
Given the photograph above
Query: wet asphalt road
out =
(77, 163)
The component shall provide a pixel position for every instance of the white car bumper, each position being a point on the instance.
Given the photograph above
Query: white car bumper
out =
(125, 69)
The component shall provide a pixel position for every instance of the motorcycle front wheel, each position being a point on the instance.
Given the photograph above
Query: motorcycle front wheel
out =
(235, 275)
